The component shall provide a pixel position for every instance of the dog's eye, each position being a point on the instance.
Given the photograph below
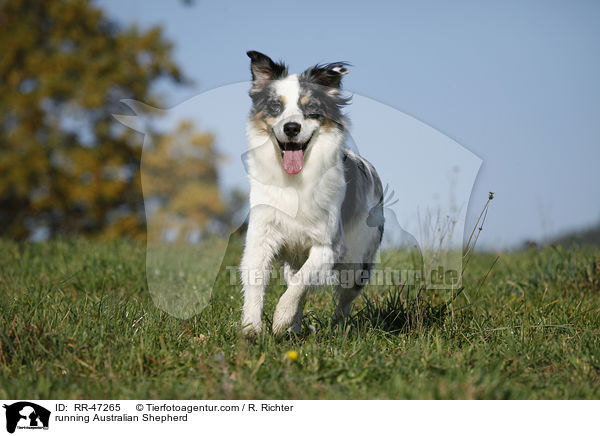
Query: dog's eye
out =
(314, 114)
(275, 107)
(312, 111)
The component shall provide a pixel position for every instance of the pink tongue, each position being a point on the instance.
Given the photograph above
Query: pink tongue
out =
(293, 160)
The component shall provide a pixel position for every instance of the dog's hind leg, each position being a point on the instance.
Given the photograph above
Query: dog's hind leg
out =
(348, 293)
(345, 299)
(317, 270)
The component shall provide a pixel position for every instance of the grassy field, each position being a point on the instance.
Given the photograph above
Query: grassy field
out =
(77, 321)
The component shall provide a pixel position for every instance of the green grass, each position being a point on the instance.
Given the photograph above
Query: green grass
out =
(77, 321)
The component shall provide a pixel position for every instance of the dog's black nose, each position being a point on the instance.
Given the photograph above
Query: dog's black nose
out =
(291, 129)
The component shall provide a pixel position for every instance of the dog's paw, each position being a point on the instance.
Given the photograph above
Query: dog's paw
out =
(251, 330)
(281, 322)
(284, 316)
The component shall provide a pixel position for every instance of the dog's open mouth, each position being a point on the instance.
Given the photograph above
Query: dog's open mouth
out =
(292, 154)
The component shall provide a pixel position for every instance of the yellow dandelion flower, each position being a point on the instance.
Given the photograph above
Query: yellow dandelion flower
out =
(292, 355)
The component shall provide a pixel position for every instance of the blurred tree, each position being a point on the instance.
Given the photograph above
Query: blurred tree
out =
(180, 182)
(66, 166)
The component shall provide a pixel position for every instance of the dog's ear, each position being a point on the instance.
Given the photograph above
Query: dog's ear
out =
(328, 75)
(264, 69)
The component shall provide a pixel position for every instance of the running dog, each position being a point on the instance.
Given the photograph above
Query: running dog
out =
(314, 203)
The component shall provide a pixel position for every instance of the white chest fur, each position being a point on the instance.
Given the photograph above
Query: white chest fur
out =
(304, 207)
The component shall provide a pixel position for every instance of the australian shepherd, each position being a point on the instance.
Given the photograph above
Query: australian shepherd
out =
(314, 204)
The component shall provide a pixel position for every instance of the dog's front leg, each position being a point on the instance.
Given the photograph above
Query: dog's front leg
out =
(316, 271)
(261, 247)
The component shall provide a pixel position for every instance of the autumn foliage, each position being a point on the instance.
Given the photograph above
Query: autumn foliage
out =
(66, 165)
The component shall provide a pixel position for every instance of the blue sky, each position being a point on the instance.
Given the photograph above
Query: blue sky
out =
(516, 83)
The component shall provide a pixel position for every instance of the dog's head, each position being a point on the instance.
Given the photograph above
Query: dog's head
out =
(293, 109)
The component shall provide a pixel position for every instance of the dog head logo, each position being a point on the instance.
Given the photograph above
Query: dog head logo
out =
(26, 415)
(428, 177)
